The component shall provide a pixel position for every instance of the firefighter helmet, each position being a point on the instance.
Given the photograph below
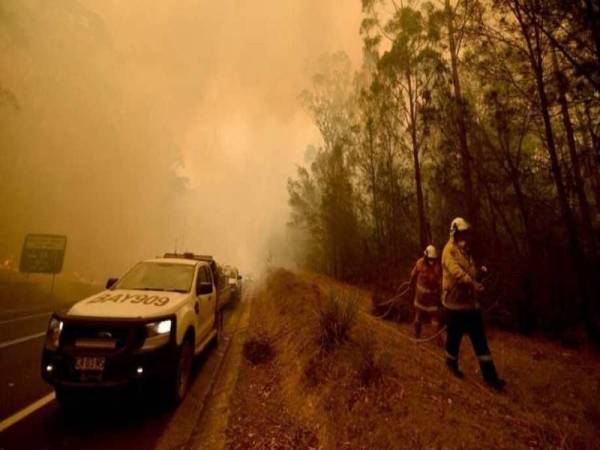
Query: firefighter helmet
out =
(430, 252)
(459, 224)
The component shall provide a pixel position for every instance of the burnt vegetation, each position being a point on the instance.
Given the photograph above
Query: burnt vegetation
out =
(486, 109)
(258, 350)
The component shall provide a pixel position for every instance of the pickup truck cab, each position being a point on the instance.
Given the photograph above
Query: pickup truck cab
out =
(149, 324)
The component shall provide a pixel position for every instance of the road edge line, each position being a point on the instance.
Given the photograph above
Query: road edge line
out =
(30, 409)
(32, 316)
(22, 339)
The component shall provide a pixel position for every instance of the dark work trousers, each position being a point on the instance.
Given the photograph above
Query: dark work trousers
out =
(471, 323)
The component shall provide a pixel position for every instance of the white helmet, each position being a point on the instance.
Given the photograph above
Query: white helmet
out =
(430, 252)
(459, 224)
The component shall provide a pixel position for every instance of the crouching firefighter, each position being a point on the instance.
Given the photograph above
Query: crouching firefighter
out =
(460, 287)
(426, 282)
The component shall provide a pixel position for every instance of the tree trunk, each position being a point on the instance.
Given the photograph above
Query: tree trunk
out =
(584, 205)
(590, 163)
(495, 209)
(521, 205)
(472, 204)
(536, 59)
(423, 240)
(591, 13)
(372, 176)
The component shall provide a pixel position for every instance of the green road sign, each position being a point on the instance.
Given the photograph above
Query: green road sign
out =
(43, 253)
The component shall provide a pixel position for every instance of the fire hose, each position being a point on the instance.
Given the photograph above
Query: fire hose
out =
(405, 287)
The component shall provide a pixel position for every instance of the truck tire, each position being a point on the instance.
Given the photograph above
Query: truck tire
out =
(67, 398)
(235, 299)
(180, 381)
(219, 318)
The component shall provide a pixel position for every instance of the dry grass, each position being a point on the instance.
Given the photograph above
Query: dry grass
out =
(336, 315)
(371, 364)
(354, 382)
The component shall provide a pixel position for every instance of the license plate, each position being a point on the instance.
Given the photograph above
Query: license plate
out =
(90, 363)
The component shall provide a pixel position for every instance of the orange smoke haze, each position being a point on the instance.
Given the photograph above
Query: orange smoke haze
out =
(137, 126)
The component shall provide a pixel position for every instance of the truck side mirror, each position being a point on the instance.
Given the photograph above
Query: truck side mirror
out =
(111, 282)
(204, 288)
(239, 278)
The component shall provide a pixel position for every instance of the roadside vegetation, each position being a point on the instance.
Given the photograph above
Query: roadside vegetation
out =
(336, 315)
(374, 389)
(486, 109)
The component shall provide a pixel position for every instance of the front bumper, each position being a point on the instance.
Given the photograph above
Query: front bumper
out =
(126, 364)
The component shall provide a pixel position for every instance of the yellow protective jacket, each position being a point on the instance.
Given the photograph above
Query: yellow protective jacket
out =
(459, 275)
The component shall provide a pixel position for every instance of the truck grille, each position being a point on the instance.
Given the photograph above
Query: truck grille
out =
(102, 337)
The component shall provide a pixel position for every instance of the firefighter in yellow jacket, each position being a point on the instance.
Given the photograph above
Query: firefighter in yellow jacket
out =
(426, 283)
(460, 287)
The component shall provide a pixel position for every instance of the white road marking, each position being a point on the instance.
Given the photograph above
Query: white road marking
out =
(18, 310)
(20, 415)
(17, 319)
(23, 339)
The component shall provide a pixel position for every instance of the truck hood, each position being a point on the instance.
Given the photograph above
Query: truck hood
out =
(123, 303)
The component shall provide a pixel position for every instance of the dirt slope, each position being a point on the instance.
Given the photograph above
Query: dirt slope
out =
(375, 389)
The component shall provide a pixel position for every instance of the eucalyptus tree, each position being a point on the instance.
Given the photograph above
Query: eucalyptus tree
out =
(414, 67)
(458, 16)
(305, 219)
(527, 25)
(451, 20)
(333, 220)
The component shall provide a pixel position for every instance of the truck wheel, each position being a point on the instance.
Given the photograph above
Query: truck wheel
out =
(183, 370)
(218, 327)
(67, 398)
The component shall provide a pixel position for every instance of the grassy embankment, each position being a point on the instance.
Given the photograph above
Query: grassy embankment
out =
(321, 372)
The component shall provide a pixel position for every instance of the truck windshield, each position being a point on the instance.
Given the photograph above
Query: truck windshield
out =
(154, 276)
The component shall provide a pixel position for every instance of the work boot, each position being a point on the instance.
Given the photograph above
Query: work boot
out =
(452, 365)
(490, 376)
(497, 385)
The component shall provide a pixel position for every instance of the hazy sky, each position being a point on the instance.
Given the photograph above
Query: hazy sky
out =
(141, 123)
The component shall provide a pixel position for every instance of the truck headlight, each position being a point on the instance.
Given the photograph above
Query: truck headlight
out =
(157, 334)
(53, 334)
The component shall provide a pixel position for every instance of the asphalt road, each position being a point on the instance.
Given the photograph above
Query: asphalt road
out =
(127, 420)
(20, 380)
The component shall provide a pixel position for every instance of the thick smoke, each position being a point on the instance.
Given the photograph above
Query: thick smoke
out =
(134, 127)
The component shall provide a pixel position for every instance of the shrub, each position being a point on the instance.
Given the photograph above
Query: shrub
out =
(336, 315)
(258, 350)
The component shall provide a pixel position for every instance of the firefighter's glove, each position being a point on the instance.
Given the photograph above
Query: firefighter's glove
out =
(479, 288)
(482, 273)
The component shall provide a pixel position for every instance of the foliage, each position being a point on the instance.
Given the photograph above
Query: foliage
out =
(481, 109)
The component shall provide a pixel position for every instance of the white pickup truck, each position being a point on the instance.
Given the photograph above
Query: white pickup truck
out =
(147, 325)
(234, 281)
